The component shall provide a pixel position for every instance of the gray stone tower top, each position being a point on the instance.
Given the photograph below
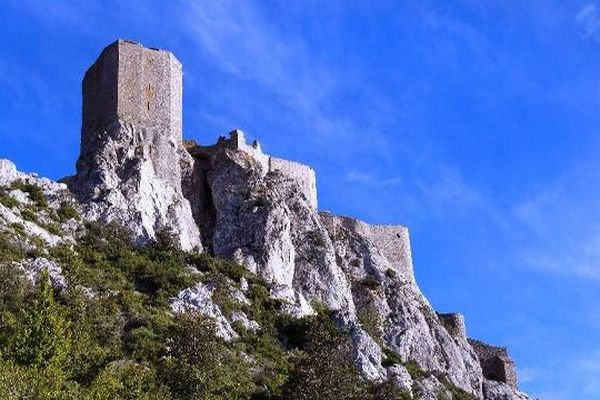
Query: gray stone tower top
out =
(138, 85)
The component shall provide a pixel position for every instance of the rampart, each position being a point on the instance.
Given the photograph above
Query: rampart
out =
(392, 241)
(302, 174)
(454, 324)
(495, 363)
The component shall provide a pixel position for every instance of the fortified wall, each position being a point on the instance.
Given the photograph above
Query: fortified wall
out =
(495, 363)
(392, 241)
(302, 174)
(454, 324)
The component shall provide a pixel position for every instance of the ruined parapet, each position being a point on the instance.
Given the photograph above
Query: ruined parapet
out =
(394, 242)
(496, 364)
(454, 324)
(303, 175)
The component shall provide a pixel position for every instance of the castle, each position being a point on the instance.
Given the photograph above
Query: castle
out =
(136, 168)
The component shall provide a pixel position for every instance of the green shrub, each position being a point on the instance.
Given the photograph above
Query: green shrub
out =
(29, 215)
(66, 212)
(370, 321)
(414, 369)
(34, 192)
(7, 200)
(391, 358)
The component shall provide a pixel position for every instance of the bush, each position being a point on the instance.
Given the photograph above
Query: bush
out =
(370, 321)
(414, 369)
(370, 283)
(66, 212)
(34, 192)
(200, 366)
(7, 200)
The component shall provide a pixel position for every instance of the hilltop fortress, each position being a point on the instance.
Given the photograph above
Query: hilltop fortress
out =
(235, 201)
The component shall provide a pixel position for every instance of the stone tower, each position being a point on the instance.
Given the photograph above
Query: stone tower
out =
(136, 84)
(130, 165)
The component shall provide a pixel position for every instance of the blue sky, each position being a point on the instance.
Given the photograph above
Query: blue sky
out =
(475, 123)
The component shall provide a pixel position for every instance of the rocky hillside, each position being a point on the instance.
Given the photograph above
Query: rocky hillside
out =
(166, 269)
(288, 301)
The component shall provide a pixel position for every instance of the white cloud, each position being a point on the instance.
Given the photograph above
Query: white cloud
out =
(368, 179)
(588, 20)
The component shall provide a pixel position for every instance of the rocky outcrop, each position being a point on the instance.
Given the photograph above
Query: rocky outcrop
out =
(131, 175)
(236, 202)
(129, 168)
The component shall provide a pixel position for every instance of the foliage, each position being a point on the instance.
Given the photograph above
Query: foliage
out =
(66, 212)
(7, 200)
(112, 335)
(414, 369)
(370, 320)
(370, 283)
(34, 192)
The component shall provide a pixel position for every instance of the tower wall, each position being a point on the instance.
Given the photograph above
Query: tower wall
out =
(138, 85)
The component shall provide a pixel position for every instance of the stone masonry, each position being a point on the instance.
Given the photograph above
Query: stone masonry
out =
(139, 85)
(454, 324)
(303, 175)
(495, 363)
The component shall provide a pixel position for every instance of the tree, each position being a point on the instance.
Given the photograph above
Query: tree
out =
(324, 370)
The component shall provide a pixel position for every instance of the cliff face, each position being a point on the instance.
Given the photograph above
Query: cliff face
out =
(235, 202)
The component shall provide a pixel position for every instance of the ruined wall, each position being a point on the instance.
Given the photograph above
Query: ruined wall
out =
(454, 324)
(495, 363)
(394, 242)
(302, 174)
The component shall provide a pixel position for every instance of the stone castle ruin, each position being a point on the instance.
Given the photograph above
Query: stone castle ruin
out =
(235, 201)
(495, 363)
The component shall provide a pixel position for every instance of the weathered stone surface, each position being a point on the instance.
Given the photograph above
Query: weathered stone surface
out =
(493, 390)
(496, 365)
(199, 298)
(8, 172)
(33, 268)
(129, 169)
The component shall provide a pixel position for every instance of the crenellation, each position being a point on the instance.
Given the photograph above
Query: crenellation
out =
(302, 174)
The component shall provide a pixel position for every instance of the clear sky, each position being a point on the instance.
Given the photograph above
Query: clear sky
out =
(474, 122)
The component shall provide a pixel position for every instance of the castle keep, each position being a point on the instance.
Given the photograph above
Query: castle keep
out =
(136, 84)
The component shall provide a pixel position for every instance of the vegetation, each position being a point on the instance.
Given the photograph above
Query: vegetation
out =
(112, 335)
(34, 192)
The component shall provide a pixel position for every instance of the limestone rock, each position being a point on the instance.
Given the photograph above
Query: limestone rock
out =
(199, 298)
(493, 390)
(130, 165)
(34, 267)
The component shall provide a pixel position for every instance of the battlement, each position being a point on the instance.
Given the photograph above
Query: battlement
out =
(496, 364)
(138, 85)
(392, 241)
